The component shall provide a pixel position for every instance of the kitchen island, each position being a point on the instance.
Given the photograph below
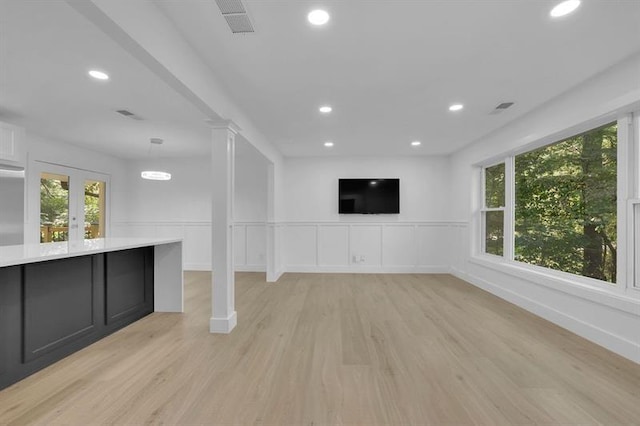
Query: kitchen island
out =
(57, 298)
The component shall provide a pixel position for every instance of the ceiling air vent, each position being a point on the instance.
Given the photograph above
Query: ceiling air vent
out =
(129, 114)
(236, 15)
(500, 108)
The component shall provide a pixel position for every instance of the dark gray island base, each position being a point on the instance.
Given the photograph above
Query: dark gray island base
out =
(53, 308)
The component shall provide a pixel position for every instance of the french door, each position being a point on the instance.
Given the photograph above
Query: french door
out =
(70, 205)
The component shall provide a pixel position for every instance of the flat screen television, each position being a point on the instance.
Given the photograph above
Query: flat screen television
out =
(369, 196)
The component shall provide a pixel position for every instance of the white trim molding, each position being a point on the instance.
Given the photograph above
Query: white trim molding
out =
(367, 247)
(223, 325)
(604, 316)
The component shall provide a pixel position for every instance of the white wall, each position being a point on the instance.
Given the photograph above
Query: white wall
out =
(250, 204)
(250, 212)
(610, 317)
(317, 238)
(181, 208)
(312, 187)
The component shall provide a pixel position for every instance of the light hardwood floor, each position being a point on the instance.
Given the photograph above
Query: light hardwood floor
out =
(336, 349)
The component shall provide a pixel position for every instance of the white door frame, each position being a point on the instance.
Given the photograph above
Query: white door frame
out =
(76, 198)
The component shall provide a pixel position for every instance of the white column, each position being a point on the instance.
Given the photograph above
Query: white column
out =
(223, 314)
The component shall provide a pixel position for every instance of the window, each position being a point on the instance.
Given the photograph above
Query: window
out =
(54, 207)
(493, 209)
(566, 207)
(571, 206)
(72, 204)
(94, 209)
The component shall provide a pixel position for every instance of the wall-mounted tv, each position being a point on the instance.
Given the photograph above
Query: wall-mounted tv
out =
(369, 196)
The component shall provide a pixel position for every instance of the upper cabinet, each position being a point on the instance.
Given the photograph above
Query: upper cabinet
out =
(12, 145)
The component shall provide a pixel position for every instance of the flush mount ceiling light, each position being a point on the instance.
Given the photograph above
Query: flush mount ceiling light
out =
(456, 107)
(318, 17)
(99, 75)
(328, 144)
(564, 8)
(325, 109)
(155, 174)
(416, 143)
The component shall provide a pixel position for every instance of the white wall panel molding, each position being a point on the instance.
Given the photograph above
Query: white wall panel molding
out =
(368, 247)
(249, 249)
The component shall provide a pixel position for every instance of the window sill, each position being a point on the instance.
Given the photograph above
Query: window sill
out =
(585, 288)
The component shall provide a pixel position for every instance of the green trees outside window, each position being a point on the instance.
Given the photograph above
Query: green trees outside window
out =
(494, 186)
(494, 195)
(565, 205)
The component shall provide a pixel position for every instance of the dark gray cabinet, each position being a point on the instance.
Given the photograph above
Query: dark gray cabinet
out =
(51, 309)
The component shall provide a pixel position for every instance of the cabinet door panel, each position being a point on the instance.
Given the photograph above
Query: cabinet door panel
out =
(58, 304)
(10, 323)
(127, 283)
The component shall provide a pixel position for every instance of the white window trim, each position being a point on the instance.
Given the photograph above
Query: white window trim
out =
(628, 251)
(633, 245)
(484, 209)
(37, 167)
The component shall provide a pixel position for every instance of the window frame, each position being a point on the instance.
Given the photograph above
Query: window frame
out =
(633, 244)
(76, 198)
(628, 192)
(484, 210)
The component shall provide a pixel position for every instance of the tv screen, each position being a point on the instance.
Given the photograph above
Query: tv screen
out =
(369, 196)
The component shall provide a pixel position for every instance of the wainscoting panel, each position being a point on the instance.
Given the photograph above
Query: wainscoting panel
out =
(411, 247)
(301, 245)
(249, 241)
(197, 247)
(400, 245)
(366, 245)
(333, 245)
(256, 243)
(240, 245)
(405, 247)
(434, 244)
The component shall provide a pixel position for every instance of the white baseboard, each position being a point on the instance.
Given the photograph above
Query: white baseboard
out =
(369, 269)
(617, 344)
(250, 268)
(238, 268)
(223, 325)
(275, 277)
(197, 267)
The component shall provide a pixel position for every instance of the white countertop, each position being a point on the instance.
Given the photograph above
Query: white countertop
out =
(31, 253)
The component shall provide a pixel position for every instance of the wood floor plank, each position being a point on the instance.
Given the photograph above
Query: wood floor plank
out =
(336, 349)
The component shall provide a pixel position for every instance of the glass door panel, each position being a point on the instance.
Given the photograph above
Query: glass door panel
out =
(94, 209)
(72, 204)
(54, 207)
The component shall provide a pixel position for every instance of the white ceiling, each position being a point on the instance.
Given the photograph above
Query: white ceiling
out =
(46, 49)
(390, 69)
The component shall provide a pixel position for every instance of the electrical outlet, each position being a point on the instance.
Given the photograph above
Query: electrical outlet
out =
(358, 258)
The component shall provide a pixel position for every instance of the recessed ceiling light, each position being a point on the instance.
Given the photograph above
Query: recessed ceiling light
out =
(416, 143)
(328, 144)
(326, 109)
(318, 17)
(564, 8)
(456, 107)
(99, 75)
